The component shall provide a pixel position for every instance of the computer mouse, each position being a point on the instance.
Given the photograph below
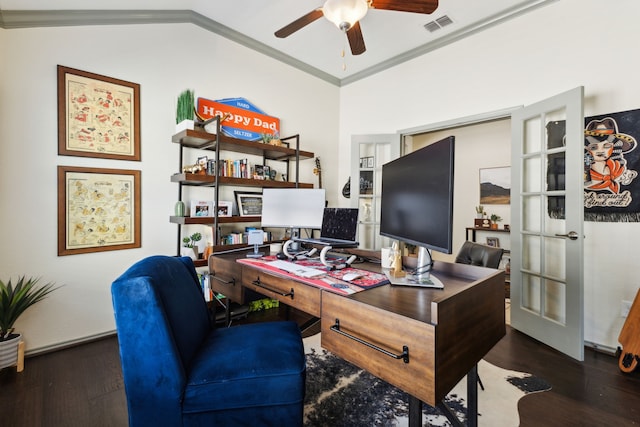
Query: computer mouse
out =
(281, 255)
(351, 276)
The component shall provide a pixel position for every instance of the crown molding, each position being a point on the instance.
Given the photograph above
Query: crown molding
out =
(15, 19)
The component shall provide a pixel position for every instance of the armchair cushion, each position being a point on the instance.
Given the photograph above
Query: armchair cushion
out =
(264, 373)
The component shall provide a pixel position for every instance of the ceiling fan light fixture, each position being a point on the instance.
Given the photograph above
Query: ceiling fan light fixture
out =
(345, 13)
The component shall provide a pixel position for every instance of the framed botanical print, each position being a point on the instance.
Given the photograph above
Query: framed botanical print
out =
(98, 116)
(98, 209)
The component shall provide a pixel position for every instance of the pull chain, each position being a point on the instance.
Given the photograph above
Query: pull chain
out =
(342, 54)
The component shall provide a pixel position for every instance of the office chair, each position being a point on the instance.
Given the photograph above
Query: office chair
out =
(472, 253)
(481, 255)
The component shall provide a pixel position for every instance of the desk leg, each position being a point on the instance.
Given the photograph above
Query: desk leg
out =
(472, 397)
(472, 403)
(415, 412)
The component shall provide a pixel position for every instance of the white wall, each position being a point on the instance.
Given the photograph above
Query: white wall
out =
(164, 60)
(486, 141)
(519, 62)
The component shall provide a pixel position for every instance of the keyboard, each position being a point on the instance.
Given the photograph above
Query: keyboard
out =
(297, 269)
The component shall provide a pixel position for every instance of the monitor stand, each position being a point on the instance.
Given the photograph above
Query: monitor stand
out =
(295, 246)
(430, 281)
(422, 277)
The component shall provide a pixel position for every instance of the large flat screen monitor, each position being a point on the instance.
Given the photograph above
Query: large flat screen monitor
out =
(417, 197)
(292, 207)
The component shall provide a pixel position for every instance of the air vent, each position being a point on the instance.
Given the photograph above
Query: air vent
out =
(437, 24)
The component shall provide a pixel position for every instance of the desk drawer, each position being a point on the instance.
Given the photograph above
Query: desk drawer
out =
(303, 297)
(226, 278)
(375, 340)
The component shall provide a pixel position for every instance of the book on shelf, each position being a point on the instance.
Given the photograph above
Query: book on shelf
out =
(237, 238)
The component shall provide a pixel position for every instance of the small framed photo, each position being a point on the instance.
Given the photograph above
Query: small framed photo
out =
(201, 208)
(249, 204)
(202, 162)
(493, 242)
(225, 208)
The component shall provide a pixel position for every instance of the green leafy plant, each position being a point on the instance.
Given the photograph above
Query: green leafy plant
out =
(266, 137)
(184, 110)
(495, 218)
(190, 242)
(15, 299)
(480, 209)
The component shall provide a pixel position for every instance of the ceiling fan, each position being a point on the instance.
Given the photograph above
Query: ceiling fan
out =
(346, 15)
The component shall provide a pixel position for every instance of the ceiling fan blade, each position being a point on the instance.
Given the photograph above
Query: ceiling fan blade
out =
(356, 41)
(299, 23)
(416, 6)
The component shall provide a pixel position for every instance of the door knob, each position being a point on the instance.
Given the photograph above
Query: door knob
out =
(572, 235)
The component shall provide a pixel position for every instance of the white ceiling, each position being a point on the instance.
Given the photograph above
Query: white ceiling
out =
(390, 37)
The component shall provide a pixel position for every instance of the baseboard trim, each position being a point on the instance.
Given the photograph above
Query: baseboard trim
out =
(601, 348)
(70, 343)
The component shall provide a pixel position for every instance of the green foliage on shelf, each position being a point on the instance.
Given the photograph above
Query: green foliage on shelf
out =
(190, 242)
(184, 110)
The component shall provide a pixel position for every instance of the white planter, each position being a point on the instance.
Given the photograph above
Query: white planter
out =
(185, 124)
(9, 351)
(190, 252)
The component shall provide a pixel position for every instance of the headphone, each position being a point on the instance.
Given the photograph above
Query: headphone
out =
(333, 266)
(294, 257)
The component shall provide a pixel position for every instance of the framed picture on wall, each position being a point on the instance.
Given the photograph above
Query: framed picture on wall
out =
(495, 186)
(493, 241)
(98, 116)
(98, 209)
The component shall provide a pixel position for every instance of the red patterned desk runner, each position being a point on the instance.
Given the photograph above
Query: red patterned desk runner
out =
(331, 281)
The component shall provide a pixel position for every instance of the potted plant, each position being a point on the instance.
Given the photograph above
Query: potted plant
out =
(189, 246)
(185, 111)
(479, 211)
(14, 300)
(495, 219)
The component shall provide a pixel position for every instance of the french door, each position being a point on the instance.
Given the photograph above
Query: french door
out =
(547, 217)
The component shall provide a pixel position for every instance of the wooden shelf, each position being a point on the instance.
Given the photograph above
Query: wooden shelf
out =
(207, 141)
(210, 181)
(209, 220)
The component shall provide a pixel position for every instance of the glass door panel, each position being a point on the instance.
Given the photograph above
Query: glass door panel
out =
(369, 153)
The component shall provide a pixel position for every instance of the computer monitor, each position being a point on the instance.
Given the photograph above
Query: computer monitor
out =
(417, 199)
(293, 207)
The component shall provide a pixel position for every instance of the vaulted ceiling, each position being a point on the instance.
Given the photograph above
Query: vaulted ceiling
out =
(390, 37)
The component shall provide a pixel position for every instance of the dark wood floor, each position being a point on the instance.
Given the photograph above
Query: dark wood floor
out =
(82, 386)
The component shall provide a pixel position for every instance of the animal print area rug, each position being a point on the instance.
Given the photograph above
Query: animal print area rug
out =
(341, 394)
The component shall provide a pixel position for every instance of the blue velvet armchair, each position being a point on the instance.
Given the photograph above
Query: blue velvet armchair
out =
(180, 371)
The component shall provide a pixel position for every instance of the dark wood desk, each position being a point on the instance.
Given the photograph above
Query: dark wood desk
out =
(423, 341)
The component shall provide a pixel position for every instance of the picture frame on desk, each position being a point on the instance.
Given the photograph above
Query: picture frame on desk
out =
(249, 203)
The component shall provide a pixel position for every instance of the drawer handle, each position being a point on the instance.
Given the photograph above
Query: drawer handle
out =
(226, 282)
(405, 349)
(259, 284)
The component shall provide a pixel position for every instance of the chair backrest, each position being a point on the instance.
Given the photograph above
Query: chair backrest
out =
(477, 254)
(161, 320)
